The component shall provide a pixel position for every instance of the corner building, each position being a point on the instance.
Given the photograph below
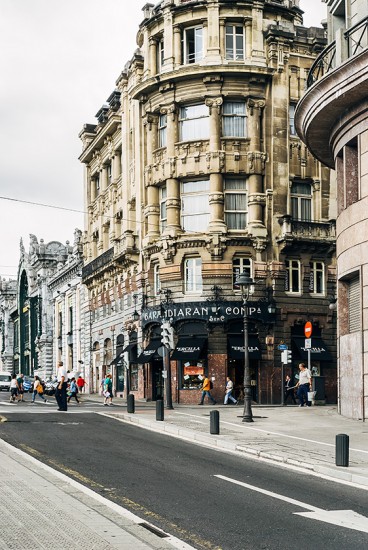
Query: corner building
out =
(332, 120)
(196, 174)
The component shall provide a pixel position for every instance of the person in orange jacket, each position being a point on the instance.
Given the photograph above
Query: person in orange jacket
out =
(206, 386)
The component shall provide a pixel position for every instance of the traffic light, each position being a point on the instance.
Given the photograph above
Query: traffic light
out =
(286, 356)
(167, 335)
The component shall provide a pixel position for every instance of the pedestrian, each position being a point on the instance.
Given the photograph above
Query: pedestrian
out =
(38, 390)
(60, 391)
(20, 387)
(304, 385)
(228, 391)
(102, 385)
(108, 390)
(289, 390)
(14, 387)
(81, 383)
(206, 387)
(73, 391)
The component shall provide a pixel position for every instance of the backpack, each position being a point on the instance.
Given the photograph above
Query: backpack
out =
(39, 388)
(211, 385)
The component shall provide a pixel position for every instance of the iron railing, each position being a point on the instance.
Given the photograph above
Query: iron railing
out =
(98, 263)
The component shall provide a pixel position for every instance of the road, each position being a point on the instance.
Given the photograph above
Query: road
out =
(207, 498)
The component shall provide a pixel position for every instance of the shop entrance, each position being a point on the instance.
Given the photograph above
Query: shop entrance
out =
(236, 373)
(157, 379)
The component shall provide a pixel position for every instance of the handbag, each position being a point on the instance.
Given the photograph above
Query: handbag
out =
(39, 388)
(311, 395)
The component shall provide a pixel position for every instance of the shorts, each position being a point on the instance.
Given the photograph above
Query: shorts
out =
(14, 392)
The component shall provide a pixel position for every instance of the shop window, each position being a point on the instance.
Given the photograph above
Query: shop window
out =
(293, 276)
(234, 42)
(236, 204)
(163, 212)
(162, 127)
(194, 122)
(317, 278)
(301, 201)
(241, 265)
(193, 45)
(234, 119)
(192, 375)
(292, 120)
(195, 210)
(193, 275)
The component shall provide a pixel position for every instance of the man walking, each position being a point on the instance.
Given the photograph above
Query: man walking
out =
(60, 392)
(206, 386)
(304, 385)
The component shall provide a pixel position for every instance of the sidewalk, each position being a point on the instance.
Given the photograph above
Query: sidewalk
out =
(44, 509)
(299, 437)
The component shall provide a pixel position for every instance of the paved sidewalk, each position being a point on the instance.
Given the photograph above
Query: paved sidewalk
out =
(44, 509)
(301, 437)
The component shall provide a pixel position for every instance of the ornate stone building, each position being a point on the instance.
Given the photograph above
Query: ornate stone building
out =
(332, 121)
(8, 294)
(194, 173)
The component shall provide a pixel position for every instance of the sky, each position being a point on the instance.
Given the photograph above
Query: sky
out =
(59, 62)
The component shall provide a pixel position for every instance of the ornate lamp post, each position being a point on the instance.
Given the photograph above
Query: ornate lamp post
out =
(245, 282)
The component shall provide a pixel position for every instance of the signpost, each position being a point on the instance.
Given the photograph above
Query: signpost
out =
(308, 329)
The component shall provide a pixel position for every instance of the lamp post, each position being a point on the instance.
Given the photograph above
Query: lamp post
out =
(245, 282)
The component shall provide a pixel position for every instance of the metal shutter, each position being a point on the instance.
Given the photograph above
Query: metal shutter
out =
(354, 305)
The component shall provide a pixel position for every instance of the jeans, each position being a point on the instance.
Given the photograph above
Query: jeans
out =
(35, 392)
(228, 395)
(204, 393)
(303, 394)
(61, 397)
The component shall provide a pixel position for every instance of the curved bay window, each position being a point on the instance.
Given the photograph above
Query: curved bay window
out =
(194, 122)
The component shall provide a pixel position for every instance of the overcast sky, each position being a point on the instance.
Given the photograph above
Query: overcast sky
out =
(59, 62)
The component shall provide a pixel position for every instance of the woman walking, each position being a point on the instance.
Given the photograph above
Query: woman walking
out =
(73, 391)
(38, 390)
(14, 388)
(108, 390)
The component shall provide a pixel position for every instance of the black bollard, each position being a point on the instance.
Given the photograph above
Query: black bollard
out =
(130, 403)
(214, 422)
(159, 409)
(342, 450)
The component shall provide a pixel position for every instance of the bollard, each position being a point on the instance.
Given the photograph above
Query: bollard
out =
(342, 450)
(214, 422)
(159, 409)
(130, 403)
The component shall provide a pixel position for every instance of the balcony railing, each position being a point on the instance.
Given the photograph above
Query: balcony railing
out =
(313, 230)
(357, 40)
(98, 263)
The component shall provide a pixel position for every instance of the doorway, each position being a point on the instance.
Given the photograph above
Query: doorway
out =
(157, 380)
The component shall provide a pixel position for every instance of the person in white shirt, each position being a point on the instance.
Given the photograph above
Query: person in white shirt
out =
(60, 392)
(304, 385)
(229, 391)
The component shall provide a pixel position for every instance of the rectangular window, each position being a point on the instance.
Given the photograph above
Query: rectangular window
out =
(241, 265)
(97, 185)
(354, 305)
(234, 42)
(193, 275)
(236, 204)
(193, 45)
(160, 55)
(162, 126)
(70, 319)
(292, 120)
(163, 213)
(292, 276)
(156, 279)
(234, 119)
(317, 278)
(60, 325)
(301, 201)
(194, 122)
(195, 209)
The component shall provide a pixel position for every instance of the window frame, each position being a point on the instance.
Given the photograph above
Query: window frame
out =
(185, 122)
(291, 266)
(292, 129)
(187, 214)
(234, 117)
(163, 209)
(194, 283)
(233, 36)
(160, 54)
(198, 55)
(245, 266)
(297, 198)
(156, 279)
(317, 278)
(162, 130)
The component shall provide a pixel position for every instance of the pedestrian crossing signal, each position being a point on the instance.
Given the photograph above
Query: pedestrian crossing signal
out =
(286, 356)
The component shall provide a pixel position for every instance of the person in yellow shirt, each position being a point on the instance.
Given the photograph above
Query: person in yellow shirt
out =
(206, 387)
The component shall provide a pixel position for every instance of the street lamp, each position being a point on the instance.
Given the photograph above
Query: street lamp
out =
(245, 282)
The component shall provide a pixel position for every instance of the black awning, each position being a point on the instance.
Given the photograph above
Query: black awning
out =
(318, 352)
(118, 359)
(236, 347)
(189, 349)
(149, 351)
(132, 352)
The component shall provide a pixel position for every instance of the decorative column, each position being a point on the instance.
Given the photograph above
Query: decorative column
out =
(168, 40)
(152, 56)
(116, 165)
(216, 196)
(257, 30)
(104, 178)
(213, 56)
(172, 183)
(256, 166)
(152, 208)
(177, 46)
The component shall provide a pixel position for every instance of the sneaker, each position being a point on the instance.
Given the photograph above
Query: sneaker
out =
(301, 405)
(200, 403)
(105, 405)
(45, 401)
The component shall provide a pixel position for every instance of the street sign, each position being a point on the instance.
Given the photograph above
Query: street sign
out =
(308, 343)
(308, 329)
(282, 346)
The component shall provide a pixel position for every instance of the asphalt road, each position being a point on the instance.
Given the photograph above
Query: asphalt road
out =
(174, 484)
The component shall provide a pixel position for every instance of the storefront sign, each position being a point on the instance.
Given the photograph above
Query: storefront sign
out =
(207, 311)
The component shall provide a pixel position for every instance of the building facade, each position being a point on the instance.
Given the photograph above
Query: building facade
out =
(193, 174)
(332, 120)
(8, 294)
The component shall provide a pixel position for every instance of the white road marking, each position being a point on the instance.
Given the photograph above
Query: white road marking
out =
(343, 518)
(277, 433)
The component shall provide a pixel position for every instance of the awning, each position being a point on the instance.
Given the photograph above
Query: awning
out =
(118, 359)
(149, 351)
(188, 349)
(132, 352)
(319, 350)
(236, 347)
